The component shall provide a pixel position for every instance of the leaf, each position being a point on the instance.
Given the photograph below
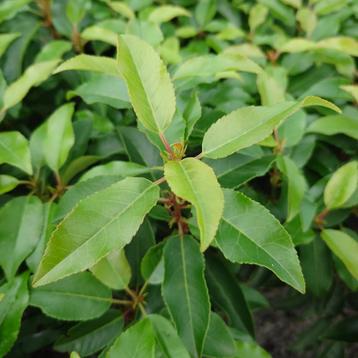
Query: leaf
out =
(118, 168)
(167, 338)
(53, 50)
(9, 8)
(341, 186)
(186, 178)
(219, 342)
(105, 65)
(185, 293)
(352, 90)
(257, 16)
(122, 8)
(226, 294)
(166, 13)
(113, 270)
(7, 183)
(297, 185)
(250, 349)
(103, 89)
(149, 85)
(11, 322)
(84, 242)
(89, 337)
(204, 11)
(137, 341)
(152, 265)
(234, 132)
(5, 41)
(344, 247)
(335, 124)
(59, 137)
(14, 150)
(249, 234)
(33, 76)
(23, 218)
(99, 33)
(77, 298)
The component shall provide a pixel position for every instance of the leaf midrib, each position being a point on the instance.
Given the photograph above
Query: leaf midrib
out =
(95, 234)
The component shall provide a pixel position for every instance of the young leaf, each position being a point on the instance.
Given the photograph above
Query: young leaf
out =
(344, 247)
(7, 183)
(99, 224)
(77, 298)
(186, 178)
(18, 237)
(33, 76)
(248, 233)
(341, 186)
(89, 337)
(113, 270)
(185, 293)
(138, 341)
(149, 85)
(5, 41)
(100, 64)
(11, 321)
(249, 125)
(296, 185)
(14, 150)
(167, 338)
(166, 13)
(59, 137)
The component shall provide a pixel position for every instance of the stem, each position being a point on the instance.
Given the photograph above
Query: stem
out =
(142, 309)
(199, 156)
(76, 39)
(160, 181)
(121, 302)
(143, 288)
(167, 146)
(319, 219)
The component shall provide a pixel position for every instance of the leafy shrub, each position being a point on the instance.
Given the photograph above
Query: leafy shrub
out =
(171, 172)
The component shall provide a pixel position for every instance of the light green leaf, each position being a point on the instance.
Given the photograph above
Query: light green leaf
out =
(234, 131)
(335, 124)
(307, 19)
(122, 8)
(250, 349)
(167, 338)
(33, 76)
(113, 270)
(77, 298)
(186, 178)
(166, 13)
(14, 150)
(352, 90)
(204, 11)
(59, 137)
(7, 183)
(13, 307)
(152, 265)
(99, 33)
(117, 167)
(89, 337)
(250, 234)
(149, 85)
(257, 16)
(76, 10)
(185, 293)
(296, 185)
(53, 50)
(341, 186)
(99, 224)
(5, 41)
(100, 64)
(138, 341)
(23, 218)
(344, 247)
(9, 8)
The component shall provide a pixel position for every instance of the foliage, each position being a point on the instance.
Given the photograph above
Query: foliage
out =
(164, 166)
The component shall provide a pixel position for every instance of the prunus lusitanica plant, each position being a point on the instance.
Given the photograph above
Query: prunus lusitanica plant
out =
(170, 172)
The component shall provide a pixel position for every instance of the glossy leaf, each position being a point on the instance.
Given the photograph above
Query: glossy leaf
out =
(249, 233)
(185, 292)
(185, 179)
(14, 150)
(23, 218)
(113, 270)
(149, 85)
(59, 137)
(116, 214)
(234, 132)
(138, 341)
(77, 298)
(344, 247)
(341, 186)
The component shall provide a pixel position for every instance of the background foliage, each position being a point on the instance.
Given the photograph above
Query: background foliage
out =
(200, 203)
